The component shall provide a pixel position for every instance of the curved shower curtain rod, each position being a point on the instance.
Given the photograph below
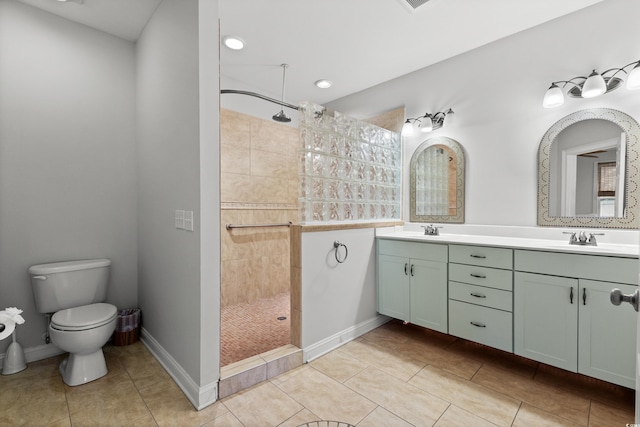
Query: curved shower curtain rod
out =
(257, 95)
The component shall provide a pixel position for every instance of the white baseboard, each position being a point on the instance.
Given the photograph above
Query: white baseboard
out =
(320, 348)
(200, 397)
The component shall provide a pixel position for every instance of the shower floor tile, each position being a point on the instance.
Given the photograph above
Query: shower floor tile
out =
(251, 329)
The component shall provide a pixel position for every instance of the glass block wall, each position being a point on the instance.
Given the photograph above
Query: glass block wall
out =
(349, 170)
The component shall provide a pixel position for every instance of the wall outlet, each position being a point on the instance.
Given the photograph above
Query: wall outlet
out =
(188, 220)
(180, 219)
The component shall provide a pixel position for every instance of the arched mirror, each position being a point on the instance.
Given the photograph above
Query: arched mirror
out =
(436, 191)
(588, 171)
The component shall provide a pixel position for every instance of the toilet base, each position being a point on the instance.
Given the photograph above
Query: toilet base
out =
(78, 369)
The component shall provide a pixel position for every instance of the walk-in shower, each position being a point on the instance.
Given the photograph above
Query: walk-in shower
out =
(259, 193)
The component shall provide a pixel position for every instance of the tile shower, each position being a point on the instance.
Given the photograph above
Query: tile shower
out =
(259, 173)
(335, 169)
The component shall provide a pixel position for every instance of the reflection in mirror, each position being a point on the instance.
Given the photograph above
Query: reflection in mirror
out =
(588, 167)
(588, 171)
(437, 182)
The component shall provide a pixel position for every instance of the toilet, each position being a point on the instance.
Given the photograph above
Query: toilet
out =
(81, 324)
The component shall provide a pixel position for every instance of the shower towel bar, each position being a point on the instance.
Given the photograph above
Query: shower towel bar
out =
(230, 226)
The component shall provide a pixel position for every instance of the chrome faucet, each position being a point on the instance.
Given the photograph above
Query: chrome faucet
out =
(582, 239)
(431, 230)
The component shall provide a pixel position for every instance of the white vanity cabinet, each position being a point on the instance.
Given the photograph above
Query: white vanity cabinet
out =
(563, 315)
(412, 282)
(480, 295)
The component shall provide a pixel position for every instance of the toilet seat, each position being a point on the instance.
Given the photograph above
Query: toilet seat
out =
(84, 317)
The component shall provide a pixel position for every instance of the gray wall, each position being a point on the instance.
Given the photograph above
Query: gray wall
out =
(177, 293)
(67, 155)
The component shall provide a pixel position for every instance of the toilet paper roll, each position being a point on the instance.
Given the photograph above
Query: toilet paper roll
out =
(9, 325)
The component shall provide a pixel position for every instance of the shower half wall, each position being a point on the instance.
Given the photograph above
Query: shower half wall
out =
(259, 185)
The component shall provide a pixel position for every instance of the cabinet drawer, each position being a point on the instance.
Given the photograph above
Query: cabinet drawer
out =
(482, 256)
(479, 295)
(483, 276)
(481, 324)
(427, 251)
(594, 267)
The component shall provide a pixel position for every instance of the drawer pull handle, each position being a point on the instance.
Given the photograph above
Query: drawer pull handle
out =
(478, 324)
(473, 294)
(479, 276)
(478, 256)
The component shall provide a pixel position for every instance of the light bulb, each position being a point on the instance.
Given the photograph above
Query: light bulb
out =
(633, 81)
(407, 129)
(594, 86)
(426, 125)
(553, 98)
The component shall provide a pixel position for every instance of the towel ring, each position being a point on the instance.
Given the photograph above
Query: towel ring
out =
(337, 245)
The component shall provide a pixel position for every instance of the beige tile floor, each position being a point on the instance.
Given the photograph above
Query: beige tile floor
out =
(393, 376)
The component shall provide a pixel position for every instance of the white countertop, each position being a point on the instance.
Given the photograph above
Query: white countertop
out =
(603, 249)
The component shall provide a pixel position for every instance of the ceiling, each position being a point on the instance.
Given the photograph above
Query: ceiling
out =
(354, 43)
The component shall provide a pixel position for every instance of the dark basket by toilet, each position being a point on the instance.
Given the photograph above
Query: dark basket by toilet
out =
(127, 327)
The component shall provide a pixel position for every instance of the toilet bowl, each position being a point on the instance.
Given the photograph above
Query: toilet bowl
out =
(83, 331)
(75, 291)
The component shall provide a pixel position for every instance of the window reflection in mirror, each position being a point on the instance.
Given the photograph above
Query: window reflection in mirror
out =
(578, 185)
(587, 176)
(436, 187)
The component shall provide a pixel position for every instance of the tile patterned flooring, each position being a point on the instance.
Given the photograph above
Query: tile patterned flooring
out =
(393, 376)
(250, 329)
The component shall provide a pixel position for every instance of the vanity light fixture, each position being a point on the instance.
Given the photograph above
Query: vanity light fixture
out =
(595, 85)
(426, 123)
(233, 42)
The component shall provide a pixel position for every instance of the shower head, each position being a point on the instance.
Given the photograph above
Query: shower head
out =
(280, 116)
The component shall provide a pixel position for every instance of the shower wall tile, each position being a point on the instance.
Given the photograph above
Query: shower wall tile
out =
(267, 190)
(391, 120)
(265, 163)
(235, 129)
(259, 185)
(235, 188)
(296, 327)
(269, 136)
(235, 159)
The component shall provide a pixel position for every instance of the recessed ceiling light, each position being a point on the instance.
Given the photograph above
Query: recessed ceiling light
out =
(324, 84)
(233, 42)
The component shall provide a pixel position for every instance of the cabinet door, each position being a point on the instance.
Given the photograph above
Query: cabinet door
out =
(607, 334)
(429, 294)
(393, 286)
(546, 319)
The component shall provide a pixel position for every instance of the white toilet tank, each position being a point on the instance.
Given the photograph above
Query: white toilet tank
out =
(60, 285)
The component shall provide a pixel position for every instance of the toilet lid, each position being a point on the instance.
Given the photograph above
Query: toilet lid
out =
(84, 317)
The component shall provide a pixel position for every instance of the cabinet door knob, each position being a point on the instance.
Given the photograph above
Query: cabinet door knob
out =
(617, 298)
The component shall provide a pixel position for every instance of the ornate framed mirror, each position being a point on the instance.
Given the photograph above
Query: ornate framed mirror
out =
(588, 171)
(436, 180)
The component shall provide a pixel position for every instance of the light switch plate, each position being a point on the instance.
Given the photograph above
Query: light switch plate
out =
(188, 220)
(180, 219)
